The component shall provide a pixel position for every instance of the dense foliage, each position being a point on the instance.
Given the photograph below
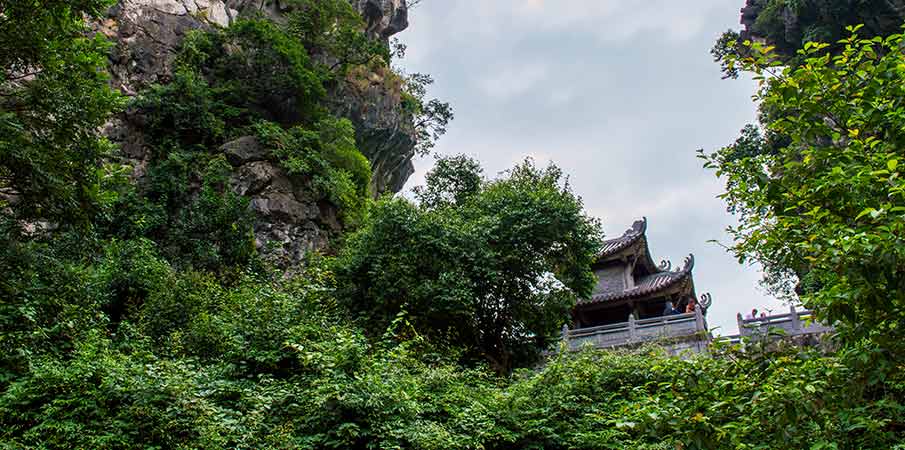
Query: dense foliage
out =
(333, 28)
(824, 212)
(53, 97)
(139, 317)
(495, 268)
(261, 366)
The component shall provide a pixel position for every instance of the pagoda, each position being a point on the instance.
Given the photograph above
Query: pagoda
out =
(630, 301)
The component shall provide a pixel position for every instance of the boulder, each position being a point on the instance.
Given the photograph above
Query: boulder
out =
(384, 18)
(243, 150)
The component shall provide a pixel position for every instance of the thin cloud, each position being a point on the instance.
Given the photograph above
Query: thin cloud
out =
(607, 20)
(512, 81)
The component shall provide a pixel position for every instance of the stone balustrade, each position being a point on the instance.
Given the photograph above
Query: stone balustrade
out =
(691, 328)
(636, 331)
(793, 323)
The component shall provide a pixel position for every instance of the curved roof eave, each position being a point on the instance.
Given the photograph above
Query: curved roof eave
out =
(653, 284)
(611, 247)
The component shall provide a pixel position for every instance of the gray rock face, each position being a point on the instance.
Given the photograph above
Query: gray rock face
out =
(243, 150)
(384, 17)
(148, 32)
(384, 134)
(291, 222)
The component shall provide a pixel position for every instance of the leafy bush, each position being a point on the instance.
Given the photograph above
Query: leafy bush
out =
(185, 113)
(389, 396)
(54, 97)
(188, 209)
(823, 212)
(327, 154)
(784, 400)
(334, 29)
(256, 66)
(495, 273)
(49, 301)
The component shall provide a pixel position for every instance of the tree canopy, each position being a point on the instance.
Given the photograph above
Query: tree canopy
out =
(493, 267)
(54, 98)
(824, 212)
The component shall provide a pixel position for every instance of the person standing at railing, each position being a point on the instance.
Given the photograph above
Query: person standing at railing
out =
(692, 304)
(669, 309)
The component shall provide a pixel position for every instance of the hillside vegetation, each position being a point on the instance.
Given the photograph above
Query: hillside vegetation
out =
(142, 315)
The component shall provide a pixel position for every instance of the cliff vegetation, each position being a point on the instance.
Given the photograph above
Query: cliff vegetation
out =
(196, 251)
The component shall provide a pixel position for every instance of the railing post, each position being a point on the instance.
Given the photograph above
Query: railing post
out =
(796, 322)
(741, 324)
(565, 336)
(664, 326)
(698, 319)
(631, 328)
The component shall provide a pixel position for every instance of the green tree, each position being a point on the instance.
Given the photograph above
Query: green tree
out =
(452, 181)
(429, 117)
(788, 24)
(495, 272)
(53, 99)
(334, 29)
(824, 213)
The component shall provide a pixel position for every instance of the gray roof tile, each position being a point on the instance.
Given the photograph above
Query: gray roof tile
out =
(632, 235)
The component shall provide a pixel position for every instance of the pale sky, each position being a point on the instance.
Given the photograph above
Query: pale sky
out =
(619, 94)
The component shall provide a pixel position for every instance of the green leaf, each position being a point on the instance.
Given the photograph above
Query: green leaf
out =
(865, 212)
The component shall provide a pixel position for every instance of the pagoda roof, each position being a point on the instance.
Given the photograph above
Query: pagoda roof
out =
(631, 236)
(652, 284)
(632, 245)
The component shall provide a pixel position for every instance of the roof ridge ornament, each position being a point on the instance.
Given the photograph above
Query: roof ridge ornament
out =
(705, 301)
(665, 265)
(688, 264)
(638, 226)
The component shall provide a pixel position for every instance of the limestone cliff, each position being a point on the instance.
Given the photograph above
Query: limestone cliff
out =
(147, 34)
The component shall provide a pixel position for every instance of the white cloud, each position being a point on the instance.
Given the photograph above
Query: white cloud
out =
(512, 81)
(561, 95)
(608, 20)
(679, 199)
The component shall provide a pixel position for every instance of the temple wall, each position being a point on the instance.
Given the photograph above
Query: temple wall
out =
(610, 280)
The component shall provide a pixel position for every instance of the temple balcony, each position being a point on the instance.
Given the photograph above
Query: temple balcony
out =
(689, 327)
(793, 323)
